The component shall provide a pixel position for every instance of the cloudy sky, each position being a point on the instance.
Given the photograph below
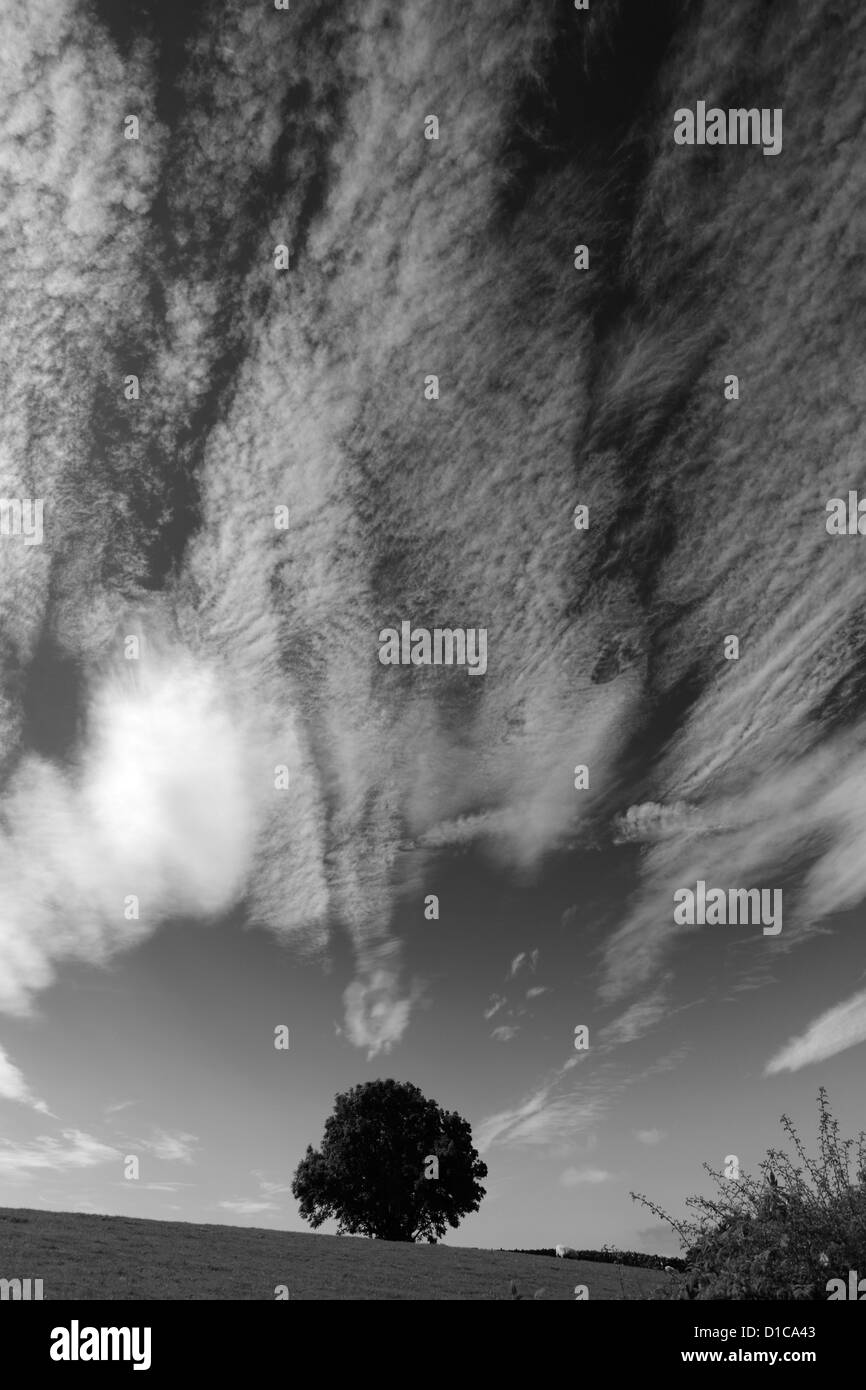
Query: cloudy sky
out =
(139, 776)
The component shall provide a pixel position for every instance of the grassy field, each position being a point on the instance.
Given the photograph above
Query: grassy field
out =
(119, 1257)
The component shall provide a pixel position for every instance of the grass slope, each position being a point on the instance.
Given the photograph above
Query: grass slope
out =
(118, 1257)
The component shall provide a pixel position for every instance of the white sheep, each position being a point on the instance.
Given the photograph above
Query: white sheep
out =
(563, 1251)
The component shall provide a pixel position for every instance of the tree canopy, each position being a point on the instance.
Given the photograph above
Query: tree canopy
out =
(392, 1164)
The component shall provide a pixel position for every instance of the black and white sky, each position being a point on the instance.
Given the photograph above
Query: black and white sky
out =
(304, 388)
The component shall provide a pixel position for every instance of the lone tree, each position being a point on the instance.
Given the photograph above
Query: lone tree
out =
(392, 1165)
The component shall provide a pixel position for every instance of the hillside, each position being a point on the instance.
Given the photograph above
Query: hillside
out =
(89, 1257)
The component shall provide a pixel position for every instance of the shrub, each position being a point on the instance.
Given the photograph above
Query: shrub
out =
(608, 1254)
(782, 1237)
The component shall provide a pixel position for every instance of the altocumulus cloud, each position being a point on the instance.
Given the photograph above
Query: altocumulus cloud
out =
(394, 502)
(308, 391)
(290, 621)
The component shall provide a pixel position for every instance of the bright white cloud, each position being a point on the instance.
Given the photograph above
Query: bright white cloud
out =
(161, 807)
(835, 1031)
(650, 821)
(375, 1017)
(77, 1150)
(14, 1087)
